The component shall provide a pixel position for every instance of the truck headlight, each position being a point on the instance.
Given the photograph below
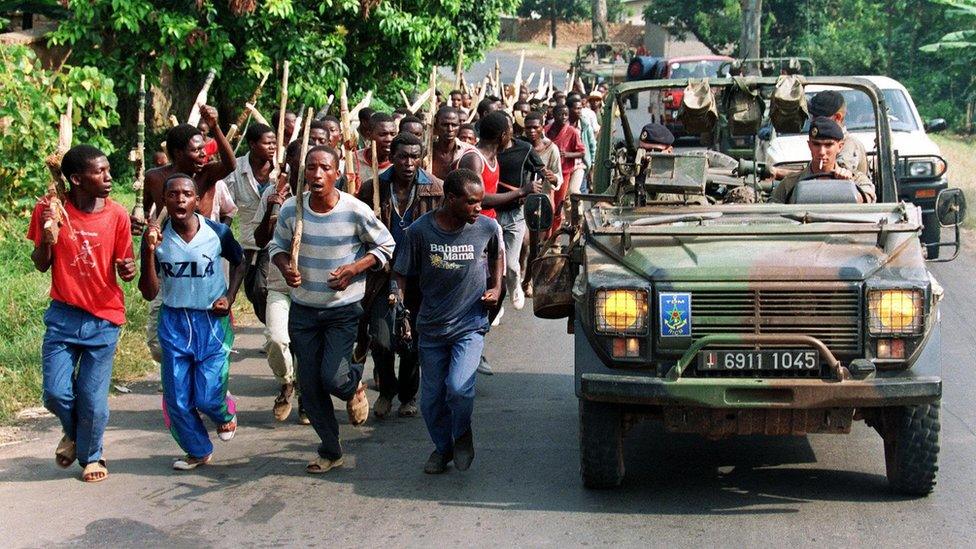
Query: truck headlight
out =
(621, 311)
(922, 167)
(895, 312)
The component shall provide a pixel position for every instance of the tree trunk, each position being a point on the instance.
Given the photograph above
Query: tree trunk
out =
(552, 23)
(751, 32)
(600, 27)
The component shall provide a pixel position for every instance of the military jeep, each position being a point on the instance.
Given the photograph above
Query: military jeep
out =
(598, 62)
(727, 319)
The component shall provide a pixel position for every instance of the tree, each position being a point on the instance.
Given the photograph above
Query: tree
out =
(962, 43)
(599, 16)
(749, 39)
(381, 46)
(554, 11)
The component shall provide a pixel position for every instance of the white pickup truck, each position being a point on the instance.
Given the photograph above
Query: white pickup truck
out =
(920, 169)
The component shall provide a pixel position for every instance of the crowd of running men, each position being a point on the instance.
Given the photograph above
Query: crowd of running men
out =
(407, 257)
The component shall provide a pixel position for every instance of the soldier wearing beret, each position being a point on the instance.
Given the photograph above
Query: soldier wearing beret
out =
(826, 140)
(656, 138)
(831, 104)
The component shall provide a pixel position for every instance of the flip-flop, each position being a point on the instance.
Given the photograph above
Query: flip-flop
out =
(321, 465)
(92, 469)
(66, 452)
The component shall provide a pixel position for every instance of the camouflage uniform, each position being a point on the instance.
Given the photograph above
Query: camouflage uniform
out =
(782, 191)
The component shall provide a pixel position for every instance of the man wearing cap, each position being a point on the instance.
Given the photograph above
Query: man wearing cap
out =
(656, 138)
(831, 104)
(826, 141)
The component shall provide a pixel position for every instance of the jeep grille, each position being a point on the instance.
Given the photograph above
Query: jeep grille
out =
(831, 315)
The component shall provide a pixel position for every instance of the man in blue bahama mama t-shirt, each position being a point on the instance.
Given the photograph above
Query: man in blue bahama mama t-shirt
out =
(457, 252)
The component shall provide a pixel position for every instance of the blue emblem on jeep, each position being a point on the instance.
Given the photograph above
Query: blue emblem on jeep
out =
(675, 311)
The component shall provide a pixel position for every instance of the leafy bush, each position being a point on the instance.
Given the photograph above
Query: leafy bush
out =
(31, 101)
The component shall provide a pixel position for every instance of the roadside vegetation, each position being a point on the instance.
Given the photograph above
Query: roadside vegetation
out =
(960, 154)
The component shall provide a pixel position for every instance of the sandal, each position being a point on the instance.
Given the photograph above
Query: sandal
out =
(95, 472)
(322, 465)
(189, 463)
(66, 452)
(358, 406)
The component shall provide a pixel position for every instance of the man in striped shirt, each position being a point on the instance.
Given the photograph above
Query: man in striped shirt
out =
(341, 241)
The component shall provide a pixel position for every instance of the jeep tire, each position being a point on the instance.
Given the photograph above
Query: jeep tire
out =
(911, 445)
(601, 438)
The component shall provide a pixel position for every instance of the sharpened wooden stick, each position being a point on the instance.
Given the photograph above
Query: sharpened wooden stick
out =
(459, 69)
(282, 109)
(296, 241)
(194, 118)
(242, 118)
(376, 178)
(406, 100)
(173, 121)
(348, 140)
(257, 115)
(429, 121)
(139, 153)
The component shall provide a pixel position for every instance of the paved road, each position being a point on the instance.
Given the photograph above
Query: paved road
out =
(523, 488)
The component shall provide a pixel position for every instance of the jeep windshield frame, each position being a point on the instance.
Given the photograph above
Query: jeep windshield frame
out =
(884, 174)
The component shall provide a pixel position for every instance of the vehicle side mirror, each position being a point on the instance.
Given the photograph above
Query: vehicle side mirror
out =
(538, 212)
(950, 207)
(936, 125)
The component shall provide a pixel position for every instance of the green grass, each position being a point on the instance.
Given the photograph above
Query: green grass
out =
(22, 303)
(960, 154)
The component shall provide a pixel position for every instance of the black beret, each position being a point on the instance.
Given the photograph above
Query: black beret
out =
(826, 103)
(656, 134)
(825, 128)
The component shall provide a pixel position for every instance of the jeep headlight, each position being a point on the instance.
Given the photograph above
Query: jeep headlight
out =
(621, 311)
(896, 312)
(922, 167)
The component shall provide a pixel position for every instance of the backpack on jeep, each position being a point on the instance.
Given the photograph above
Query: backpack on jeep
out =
(788, 108)
(745, 109)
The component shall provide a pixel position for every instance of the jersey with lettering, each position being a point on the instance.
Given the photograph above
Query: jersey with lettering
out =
(190, 273)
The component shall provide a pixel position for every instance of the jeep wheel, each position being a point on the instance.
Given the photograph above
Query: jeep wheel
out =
(912, 448)
(601, 444)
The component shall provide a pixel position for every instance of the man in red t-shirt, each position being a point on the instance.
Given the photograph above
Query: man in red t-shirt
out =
(87, 307)
(571, 153)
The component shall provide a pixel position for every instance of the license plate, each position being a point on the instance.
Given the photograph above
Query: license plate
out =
(786, 360)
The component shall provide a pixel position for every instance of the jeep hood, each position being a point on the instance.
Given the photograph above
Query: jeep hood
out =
(836, 255)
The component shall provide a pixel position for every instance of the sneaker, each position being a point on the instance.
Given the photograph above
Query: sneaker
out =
(382, 407)
(408, 409)
(226, 431)
(518, 298)
(358, 406)
(189, 463)
(282, 403)
(464, 451)
(484, 368)
(303, 417)
(436, 463)
(498, 319)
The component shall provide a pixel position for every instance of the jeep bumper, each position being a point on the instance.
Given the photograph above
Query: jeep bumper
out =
(759, 393)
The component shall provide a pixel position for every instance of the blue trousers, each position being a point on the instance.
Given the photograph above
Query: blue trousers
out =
(196, 361)
(448, 368)
(76, 364)
(323, 340)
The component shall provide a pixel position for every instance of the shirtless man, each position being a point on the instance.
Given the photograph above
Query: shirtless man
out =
(447, 147)
(185, 146)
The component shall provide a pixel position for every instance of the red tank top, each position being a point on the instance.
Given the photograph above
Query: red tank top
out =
(489, 177)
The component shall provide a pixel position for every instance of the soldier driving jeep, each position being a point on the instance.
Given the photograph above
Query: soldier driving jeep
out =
(826, 141)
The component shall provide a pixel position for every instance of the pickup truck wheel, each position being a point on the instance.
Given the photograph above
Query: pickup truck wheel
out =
(601, 444)
(912, 448)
